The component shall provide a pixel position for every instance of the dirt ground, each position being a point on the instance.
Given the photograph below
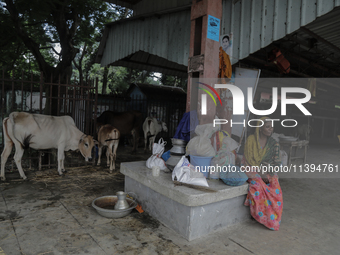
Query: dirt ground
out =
(51, 215)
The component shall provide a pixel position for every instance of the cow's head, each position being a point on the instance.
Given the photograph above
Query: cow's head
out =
(85, 146)
(164, 127)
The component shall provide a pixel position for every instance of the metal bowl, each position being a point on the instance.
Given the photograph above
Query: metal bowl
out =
(181, 142)
(105, 207)
(177, 150)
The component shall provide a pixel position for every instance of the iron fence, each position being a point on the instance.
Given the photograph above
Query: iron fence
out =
(32, 93)
(168, 110)
(35, 95)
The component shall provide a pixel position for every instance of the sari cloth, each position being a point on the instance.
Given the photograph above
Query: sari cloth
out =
(264, 200)
(225, 68)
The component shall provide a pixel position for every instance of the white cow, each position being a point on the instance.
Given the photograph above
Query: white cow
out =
(41, 132)
(108, 136)
(151, 128)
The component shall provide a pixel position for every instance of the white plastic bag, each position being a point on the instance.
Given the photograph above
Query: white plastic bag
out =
(185, 172)
(201, 144)
(156, 158)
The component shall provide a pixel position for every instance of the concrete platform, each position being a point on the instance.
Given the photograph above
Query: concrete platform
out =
(191, 213)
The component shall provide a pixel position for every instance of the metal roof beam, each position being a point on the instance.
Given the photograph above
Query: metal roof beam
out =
(320, 39)
(315, 49)
(309, 62)
(153, 65)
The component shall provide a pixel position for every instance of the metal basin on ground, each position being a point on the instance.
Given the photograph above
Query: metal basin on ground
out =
(105, 207)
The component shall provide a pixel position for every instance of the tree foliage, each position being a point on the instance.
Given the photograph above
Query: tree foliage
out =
(38, 27)
(61, 38)
(175, 81)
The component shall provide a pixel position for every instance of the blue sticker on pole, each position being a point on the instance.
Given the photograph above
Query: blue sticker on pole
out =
(213, 28)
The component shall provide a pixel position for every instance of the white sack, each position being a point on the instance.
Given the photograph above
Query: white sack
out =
(185, 172)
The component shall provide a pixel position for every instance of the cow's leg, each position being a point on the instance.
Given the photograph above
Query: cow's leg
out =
(4, 156)
(152, 140)
(114, 154)
(19, 152)
(134, 138)
(100, 146)
(61, 157)
(108, 153)
(111, 163)
(7, 149)
(62, 163)
(145, 140)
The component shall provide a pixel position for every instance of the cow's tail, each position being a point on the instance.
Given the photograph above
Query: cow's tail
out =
(149, 136)
(7, 138)
(26, 144)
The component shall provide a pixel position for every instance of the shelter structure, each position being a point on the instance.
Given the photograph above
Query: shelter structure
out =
(282, 38)
(170, 37)
(165, 103)
(156, 92)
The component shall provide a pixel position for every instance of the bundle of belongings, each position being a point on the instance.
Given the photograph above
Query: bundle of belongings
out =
(185, 172)
(224, 163)
(156, 157)
(210, 142)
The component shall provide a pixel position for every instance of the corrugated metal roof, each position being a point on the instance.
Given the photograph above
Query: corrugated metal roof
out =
(327, 27)
(158, 90)
(162, 42)
(257, 23)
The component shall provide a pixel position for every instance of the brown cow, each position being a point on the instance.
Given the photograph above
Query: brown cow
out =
(128, 123)
(108, 136)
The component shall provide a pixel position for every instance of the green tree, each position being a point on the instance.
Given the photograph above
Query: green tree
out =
(175, 81)
(37, 27)
(61, 38)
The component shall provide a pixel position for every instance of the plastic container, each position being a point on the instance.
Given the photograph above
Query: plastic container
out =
(155, 171)
(166, 155)
(202, 162)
